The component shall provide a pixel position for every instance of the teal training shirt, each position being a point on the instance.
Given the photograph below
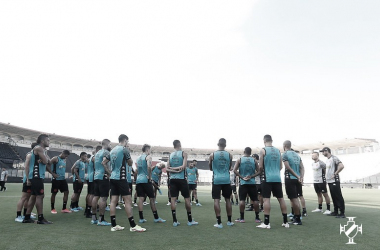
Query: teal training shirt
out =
(247, 168)
(294, 161)
(100, 173)
(59, 168)
(221, 167)
(119, 156)
(191, 175)
(272, 165)
(81, 166)
(90, 170)
(176, 161)
(36, 170)
(142, 169)
(156, 173)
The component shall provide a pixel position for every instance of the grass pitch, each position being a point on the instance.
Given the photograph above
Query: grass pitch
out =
(74, 231)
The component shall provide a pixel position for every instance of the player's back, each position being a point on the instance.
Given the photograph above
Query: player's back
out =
(272, 165)
(221, 167)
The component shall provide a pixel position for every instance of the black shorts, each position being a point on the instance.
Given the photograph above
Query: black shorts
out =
(192, 186)
(143, 189)
(101, 188)
(233, 188)
(258, 187)
(77, 187)
(179, 185)
(267, 188)
(119, 187)
(90, 187)
(320, 188)
(59, 185)
(248, 189)
(291, 188)
(26, 189)
(37, 186)
(225, 189)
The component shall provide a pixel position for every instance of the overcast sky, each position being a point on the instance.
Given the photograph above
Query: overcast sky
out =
(307, 71)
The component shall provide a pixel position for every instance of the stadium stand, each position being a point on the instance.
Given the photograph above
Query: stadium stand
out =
(6, 152)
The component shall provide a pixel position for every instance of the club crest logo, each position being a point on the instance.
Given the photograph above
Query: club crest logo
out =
(351, 230)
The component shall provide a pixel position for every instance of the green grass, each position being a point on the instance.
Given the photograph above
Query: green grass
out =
(73, 231)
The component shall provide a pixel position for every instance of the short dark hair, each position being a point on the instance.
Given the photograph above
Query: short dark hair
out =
(256, 156)
(83, 153)
(222, 141)
(176, 142)
(248, 150)
(144, 147)
(316, 153)
(123, 137)
(41, 137)
(267, 138)
(34, 144)
(105, 141)
(88, 155)
(195, 160)
(66, 152)
(98, 148)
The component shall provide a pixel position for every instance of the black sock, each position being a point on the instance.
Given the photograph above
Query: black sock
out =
(77, 204)
(64, 205)
(257, 215)
(304, 210)
(262, 207)
(52, 206)
(113, 221)
(86, 208)
(232, 200)
(141, 215)
(266, 219)
(131, 222)
(101, 218)
(174, 216)
(237, 201)
(319, 206)
(192, 198)
(25, 211)
(242, 215)
(292, 211)
(251, 206)
(89, 210)
(328, 206)
(285, 218)
(155, 214)
(219, 219)
(27, 217)
(40, 217)
(71, 204)
(170, 199)
(19, 213)
(189, 218)
(196, 201)
(135, 199)
(229, 218)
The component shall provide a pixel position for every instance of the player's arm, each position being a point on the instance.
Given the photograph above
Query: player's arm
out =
(54, 160)
(302, 171)
(280, 162)
(236, 168)
(170, 169)
(26, 165)
(184, 165)
(210, 161)
(197, 175)
(149, 166)
(257, 172)
(231, 162)
(340, 168)
(44, 158)
(75, 171)
(105, 165)
(322, 165)
(261, 160)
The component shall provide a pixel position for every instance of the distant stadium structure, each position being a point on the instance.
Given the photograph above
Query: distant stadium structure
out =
(361, 157)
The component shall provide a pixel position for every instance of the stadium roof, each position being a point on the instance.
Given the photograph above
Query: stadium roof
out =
(29, 134)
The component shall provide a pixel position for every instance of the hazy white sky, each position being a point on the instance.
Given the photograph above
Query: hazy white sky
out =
(196, 71)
